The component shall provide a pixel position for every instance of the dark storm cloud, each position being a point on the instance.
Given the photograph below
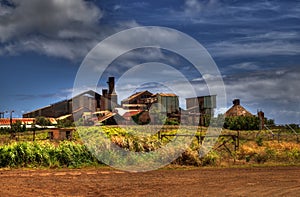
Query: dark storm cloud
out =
(274, 91)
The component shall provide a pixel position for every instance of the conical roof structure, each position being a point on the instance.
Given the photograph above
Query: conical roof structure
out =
(237, 110)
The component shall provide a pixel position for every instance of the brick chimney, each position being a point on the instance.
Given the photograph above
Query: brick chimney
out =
(111, 85)
(236, 102)
(112, 96)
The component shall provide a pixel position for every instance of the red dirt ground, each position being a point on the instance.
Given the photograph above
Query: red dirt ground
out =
(255, 181)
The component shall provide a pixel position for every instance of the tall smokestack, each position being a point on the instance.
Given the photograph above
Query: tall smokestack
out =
(104, 93)
(112, 96)
(104, 100)
(111, 85)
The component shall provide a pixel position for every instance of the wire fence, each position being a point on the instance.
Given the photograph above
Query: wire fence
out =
(270, 133)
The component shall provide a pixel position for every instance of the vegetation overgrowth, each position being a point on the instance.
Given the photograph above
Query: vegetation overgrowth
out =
(45, 154)
(100, 148)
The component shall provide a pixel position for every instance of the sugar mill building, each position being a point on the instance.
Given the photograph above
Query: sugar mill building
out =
(96, 108)
(167, 102)
(137, 101)
(88, 101)
(202, 104)
(200, 109)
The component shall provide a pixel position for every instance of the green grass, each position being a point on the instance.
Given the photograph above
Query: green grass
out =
(38, 154)
(74, 154)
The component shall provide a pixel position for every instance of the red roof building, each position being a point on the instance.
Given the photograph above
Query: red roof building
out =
(24, 121)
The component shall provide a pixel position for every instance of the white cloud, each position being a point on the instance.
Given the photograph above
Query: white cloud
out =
(235, 48)
(234, 12)
(51, 47)
(245, 66)
(58, 28)
(274, 35)
(117, 7)
(47, 18)
(129, 24)
(5, 10)
(194, 7)
(207, 77)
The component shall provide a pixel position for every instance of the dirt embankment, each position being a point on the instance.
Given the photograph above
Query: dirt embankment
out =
(262, 181)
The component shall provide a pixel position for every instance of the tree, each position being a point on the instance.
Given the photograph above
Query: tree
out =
(64, 123)
(269, 122)
(242, 123)
(17, 126)
(42, 121)
(24, 128)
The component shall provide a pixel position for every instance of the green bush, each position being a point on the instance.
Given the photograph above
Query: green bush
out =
(65, 123)
(259, 141)
(260, 157)
(42, 121)
(242, 123)
(170, 121)
(32, 154)
(210, 159)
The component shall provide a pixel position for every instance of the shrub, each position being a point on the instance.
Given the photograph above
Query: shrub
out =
(170, 121)
(210, 159)
(42, 121)
(260, 157)
(64, 123)
(242, 123)
(188, 157)
(29, 154)
(259, 141)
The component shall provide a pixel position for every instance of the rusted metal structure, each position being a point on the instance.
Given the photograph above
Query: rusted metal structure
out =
(137, 101)
(167, 102)
(61, 134)
(200, 109)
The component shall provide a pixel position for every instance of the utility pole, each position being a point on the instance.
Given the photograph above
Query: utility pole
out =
(34, 129)
(10, 119)
(2, 114)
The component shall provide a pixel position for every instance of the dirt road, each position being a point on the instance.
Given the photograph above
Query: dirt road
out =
(263, 181)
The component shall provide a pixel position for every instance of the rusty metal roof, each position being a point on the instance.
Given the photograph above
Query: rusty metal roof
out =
(135, 95)
(134, 105)
(167, 94)
(107, 116)
(237, 110)
(131, 113)
(64, 117)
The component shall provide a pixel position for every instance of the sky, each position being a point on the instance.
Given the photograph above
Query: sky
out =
(255, 45)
